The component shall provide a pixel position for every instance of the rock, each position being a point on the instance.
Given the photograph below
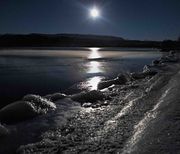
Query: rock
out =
(149, 71)
(146, 68)
(96, 106)
(3, 131)
(17, 111)
(172, 53)
(156, 62)
(42, 104)
(91, 96)
(86, 105)
(136, 76)
(56, 96)
(105, 84)
(121, 79)
(170, 58)
(110, 88)
(105, 103)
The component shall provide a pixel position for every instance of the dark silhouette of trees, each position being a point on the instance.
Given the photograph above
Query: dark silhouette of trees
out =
(178, 39)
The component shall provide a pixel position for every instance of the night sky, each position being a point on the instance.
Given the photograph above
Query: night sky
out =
(130, 19)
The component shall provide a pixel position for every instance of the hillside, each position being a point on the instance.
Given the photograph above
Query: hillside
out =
(69, 40)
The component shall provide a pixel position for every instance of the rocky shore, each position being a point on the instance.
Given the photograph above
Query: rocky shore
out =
(132, 113)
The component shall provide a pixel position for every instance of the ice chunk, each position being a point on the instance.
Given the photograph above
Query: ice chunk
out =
(42, 104)
(91, 96)
(56, 96)
(29, 107)
(121, 79)
(3, 131)
(17, 111)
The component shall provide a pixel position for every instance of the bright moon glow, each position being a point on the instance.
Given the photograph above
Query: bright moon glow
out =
(94, 12)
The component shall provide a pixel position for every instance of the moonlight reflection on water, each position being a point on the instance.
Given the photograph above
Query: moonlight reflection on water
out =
(92, 83)
(94, 53)
(94, 67)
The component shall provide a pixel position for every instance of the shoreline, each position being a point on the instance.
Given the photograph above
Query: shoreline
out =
(32, 66)
(114, 123)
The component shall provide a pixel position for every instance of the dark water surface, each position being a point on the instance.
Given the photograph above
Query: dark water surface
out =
(48, 71)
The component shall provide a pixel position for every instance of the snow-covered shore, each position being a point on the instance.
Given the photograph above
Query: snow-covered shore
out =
(139, 115)
(158, 131)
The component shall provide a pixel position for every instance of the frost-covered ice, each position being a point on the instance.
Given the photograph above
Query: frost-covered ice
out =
(30, 130)
(29, 107)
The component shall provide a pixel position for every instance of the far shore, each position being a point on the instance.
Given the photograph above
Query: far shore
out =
(10, 41)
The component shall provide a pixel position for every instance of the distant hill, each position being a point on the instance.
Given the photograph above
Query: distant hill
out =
(57, 40)
(76, 40)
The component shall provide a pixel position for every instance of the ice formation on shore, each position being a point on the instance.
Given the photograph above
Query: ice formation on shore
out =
(108, 116)
(29, 107)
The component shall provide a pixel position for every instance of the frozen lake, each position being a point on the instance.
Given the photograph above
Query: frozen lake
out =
(44, 71)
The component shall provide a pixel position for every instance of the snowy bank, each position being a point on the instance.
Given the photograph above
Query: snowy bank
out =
(129, 123)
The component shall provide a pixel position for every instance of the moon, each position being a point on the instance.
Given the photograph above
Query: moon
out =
(94, 12)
